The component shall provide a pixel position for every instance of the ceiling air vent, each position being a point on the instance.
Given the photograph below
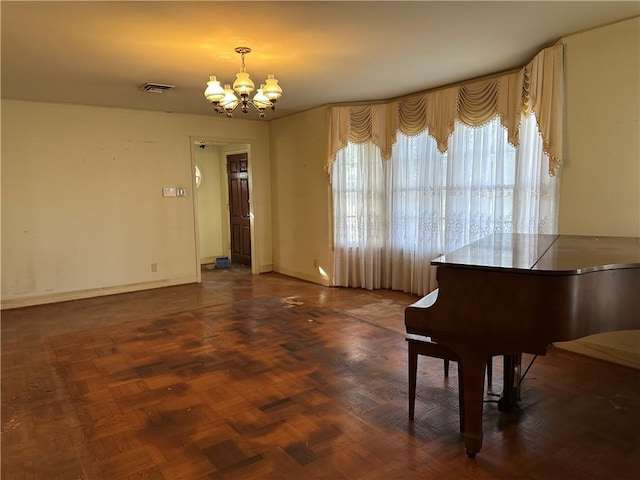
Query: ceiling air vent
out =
(156, 87)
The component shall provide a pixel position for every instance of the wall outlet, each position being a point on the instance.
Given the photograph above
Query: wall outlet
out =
(154, 267)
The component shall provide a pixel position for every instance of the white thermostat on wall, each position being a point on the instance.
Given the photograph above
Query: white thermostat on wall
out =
(168, 191)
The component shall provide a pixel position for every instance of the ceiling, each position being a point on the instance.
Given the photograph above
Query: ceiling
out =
(99, 53)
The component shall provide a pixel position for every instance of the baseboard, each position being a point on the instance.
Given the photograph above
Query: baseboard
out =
(302, 276)
(92, 292)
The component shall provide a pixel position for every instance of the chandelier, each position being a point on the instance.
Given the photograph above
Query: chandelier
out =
(225, 99)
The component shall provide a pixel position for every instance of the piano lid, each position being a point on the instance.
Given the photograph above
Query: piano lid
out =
(556, 254)
(581, 254)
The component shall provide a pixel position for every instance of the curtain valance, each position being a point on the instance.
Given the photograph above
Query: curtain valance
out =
(537, 88)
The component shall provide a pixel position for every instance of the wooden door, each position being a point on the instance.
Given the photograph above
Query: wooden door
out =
(238, 175)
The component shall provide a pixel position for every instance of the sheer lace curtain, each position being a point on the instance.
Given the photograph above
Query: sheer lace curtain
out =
(359, 220)
(393, 217)
(416, 191)
(421, 176)
(537, 194)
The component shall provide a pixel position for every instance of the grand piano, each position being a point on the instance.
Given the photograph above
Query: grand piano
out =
(508, 294)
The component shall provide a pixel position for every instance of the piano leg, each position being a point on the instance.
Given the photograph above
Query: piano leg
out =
(511, 380)
(471, 366)
(413, 372)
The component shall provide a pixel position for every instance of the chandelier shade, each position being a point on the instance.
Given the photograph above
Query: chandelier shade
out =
(226, 99)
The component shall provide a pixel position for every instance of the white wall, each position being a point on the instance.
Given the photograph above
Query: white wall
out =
(82, 210)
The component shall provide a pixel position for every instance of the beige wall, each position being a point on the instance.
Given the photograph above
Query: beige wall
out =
(82, 206)
(211, 204)
(301, 197)
(601, 178)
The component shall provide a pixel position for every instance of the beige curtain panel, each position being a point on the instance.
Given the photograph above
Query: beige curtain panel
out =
(537, 88)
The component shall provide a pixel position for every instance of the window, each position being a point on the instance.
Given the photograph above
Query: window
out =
(391, 218)
(358, 190)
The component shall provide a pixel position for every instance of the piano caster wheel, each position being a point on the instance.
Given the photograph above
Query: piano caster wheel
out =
(471, 454)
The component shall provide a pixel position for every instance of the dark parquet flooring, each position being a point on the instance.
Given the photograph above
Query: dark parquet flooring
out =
(268, 377)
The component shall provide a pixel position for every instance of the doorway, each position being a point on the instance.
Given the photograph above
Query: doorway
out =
(213, 201)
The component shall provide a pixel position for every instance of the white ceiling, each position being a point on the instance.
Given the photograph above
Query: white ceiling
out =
(99, 53)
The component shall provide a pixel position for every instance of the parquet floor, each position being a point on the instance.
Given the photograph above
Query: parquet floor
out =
(268, 377)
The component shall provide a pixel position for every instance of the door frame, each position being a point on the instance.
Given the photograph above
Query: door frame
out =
(241, 148)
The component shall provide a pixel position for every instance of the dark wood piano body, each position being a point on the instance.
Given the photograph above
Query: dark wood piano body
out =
(511, 293)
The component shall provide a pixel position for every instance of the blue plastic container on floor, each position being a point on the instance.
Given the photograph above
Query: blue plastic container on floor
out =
(223, 262)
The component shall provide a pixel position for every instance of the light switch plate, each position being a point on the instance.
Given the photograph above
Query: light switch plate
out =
(168, 191)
